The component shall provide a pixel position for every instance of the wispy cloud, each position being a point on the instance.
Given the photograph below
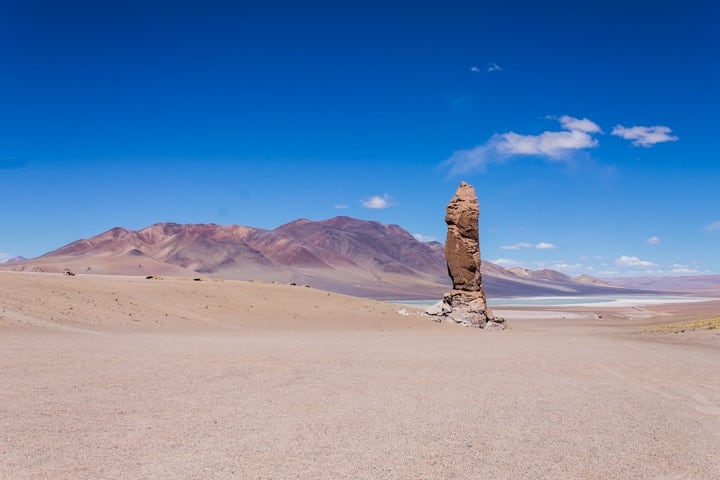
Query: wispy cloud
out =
(377, 201)
(713, 227)
(653, 240)
(645, 136)
(341, 206)
(581, 124)
(4, 257)
(521, 245)
(474, 69)
(628, 261)
(506, 262)
(571, 267)
(494, 67)
(516, 246)
(680, 268)
(554, 145)
(423, 238)
(551, 145)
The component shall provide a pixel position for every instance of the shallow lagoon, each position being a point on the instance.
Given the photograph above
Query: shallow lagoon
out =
(578, 301)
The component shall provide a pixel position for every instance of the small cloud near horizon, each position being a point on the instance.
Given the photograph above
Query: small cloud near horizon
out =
(377, 202)
(516, 246)
(571, 267)
(507, 262)
(680, 268)
(474, 69)
(341, 206)
(521, 245)
(423, 238)
(630, 261)
(4, 257)
(653, 240)
(555, 146)
(642, 136)
(494, 67)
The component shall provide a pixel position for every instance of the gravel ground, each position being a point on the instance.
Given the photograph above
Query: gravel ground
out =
(257, 381)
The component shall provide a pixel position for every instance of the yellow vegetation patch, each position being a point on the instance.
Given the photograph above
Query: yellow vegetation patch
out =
(706, 324)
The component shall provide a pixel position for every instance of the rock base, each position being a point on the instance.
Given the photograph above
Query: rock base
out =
(466, 308)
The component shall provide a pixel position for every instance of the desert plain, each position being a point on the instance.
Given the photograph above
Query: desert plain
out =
(134, 377)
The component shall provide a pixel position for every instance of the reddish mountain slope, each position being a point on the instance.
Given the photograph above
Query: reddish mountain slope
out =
(341, 254)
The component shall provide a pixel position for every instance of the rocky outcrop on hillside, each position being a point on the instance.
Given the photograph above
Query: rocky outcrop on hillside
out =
(465, 303)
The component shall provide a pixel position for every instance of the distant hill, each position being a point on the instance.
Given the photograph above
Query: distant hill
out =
(340, 254)
(682, 283)
(15, 260)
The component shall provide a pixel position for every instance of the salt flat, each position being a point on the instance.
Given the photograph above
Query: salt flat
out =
(123, 377)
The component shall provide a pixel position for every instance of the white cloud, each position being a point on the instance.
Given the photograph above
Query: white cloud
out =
(494, 67)
(628, 261)
(341, 206)
(4, 257)
(575, 267)
(423, 238)
(516, 246)
(521, 245)
(713, 227)
(377, 201)
(680, 268)
(474, 69)
(653, 240)
(552, 145)
(506, 262)
(582, 125)
(645, 136)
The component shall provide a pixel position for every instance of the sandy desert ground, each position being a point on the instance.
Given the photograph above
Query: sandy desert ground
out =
(127, 377)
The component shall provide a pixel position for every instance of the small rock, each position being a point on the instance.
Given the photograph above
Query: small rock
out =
(439, 308)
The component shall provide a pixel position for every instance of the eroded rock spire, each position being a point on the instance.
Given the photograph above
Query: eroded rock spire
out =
(466, 303)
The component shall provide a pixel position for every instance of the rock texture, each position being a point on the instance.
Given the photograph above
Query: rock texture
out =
(466, 303)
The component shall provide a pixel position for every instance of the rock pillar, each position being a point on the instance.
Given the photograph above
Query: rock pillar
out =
(466, 303)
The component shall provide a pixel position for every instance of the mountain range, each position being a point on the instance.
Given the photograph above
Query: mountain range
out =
(341, 254)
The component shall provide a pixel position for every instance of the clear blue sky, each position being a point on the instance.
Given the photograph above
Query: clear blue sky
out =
(586, 127)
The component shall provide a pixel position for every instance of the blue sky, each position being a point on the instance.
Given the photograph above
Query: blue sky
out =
(587, 130)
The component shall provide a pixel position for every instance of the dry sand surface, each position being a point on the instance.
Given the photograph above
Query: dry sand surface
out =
(123, 377)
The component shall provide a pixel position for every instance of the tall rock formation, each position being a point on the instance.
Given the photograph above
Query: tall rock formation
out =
(466, 303)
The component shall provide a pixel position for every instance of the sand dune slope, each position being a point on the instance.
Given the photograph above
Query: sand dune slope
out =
(106, 377)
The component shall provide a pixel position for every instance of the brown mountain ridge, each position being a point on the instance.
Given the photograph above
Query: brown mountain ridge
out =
(342, 254)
